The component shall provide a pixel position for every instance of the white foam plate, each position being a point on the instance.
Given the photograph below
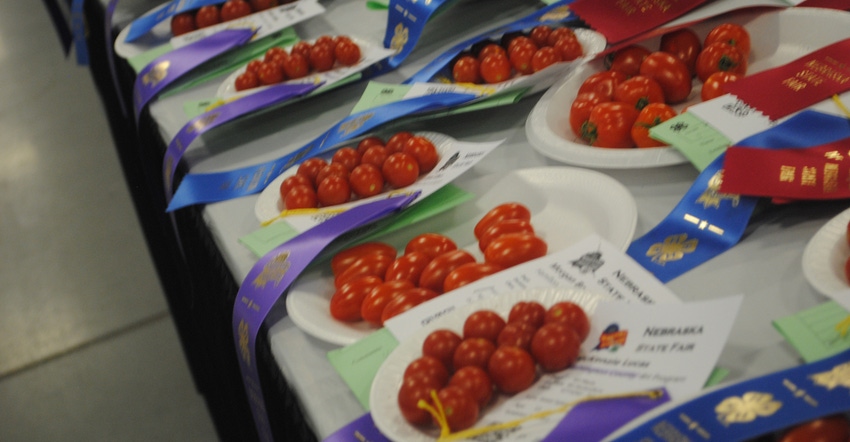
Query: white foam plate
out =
(777, 37)
(566, 204)
(825, 255)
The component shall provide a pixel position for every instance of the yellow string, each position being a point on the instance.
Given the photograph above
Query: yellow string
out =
(841, 105)
(286, 213)
(843, 327)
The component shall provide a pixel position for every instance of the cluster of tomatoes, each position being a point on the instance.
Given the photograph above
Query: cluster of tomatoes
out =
(303, 58)
(367, 170)
(492, 354)
(210, 15)
(374, 284)
(517, 53)
(617, 107)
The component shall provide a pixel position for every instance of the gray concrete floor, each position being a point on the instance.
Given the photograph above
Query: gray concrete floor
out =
(88, 350)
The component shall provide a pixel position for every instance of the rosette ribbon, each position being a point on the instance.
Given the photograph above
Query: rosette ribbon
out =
(406, 20)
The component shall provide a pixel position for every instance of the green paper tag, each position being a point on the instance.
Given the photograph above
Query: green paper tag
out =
(379, 94)
(699, 142)
(140, 61)
(717, 376)
(812, 332)
(358, 363)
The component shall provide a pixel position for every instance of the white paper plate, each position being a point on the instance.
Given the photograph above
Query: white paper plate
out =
(777, 37)
(384, 393)
(370, 53)
(270, 204)
(566, 204)
(825, 255)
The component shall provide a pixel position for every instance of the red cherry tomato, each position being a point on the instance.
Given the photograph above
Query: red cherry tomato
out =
(473, 352)
(411, 392)
(540, 35)
(715, 84)
(373, 264)
(512, 369)
(503, 227)
(441, 344)
(671, 73)
(291, 181)
(375, 155)
(571, 314)
(311, 167)
(495, 68)
(347, 53)
(374, 303)
(233, 9)
(501, 212)
(246, 80)
(182, 24)
(652, 115)
(303, 48)
(581, 107)
(485, 324)
(569, 48)
(520, 57)
(610, 125)
(254, 65)
(346, 257)
(396, 142)
(262, 5)
(603, 83)
(296, 66)
(334, 190)
(301, 197)
(275, 52)
(516, 334)
(720, 57)
(405, 301)
(400, 170)
(555, 346)
(424, 151)
(461, 409)
(431, 244)
(207, 16)
(467, 69)
(530, 312)
(427, 366)
(515, 248)
(827, 429)
(347, 156)
(270, 73)
(335, 169)
(731, 33)
(368, 142)
(326, 40)
(468, 273)
(435, 272)
(684, 44)
(321, 57)
(543, 58)
(408, 267)
(628, 60)
(639, 91)
(559, 34)
(366, 180)
(491, 49)
(476, 382)
(346, 302)
(521, 39)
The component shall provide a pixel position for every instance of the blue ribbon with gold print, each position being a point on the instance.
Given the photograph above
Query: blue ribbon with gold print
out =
(707, 222)
(221, 186)
(406, 20)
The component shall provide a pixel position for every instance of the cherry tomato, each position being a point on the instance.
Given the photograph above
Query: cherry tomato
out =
(671, 73)
(485, 324)
(207, 16)
(270, 73)
(476, 382)
(347, 52)
(530, 312)
(321, 57)
(827, 429)
(233, 9)
(628, 60)
(431, 244)
(516, 334)
(468, 273)
(571, 314)
(460, 408)
(291, 181)
(332, 169)
(347, 156)
(182, 24)
(375, 155)
(555, 346)
(491, 49)
(435, 273)
(684, 44)
(408, 266)
(325, 40)
(503, 227)
(512, 369)
(467, 69)
(373, 264)
(374, 303)
(301, 197)
(405, 301)
(334, 190)
(441, 344)
(540, 35)
(396, 142)
(520, 57)
(569, 48)
(303, 48)
(720, 57)
(262, 5)
(715, 84)
(473, 352)
(427, 366)
(366, 180)
(246, 80)
(346, 302)
(400, 170)
(733, 34)
(495, 68)
(603, 83)
(424, 151)
(639, 91)
(368, 142)
(296, 66)
(558, 34)
(515, 248)
(411, 392)
(501, 212)
(543, 58)
(521, 39)
(311, 167)
(346, 257)
(652, 115)
(610, 125)
(581, 107)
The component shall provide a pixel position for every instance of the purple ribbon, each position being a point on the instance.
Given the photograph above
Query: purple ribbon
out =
(594, 420)
(270, 277)
(167, 68)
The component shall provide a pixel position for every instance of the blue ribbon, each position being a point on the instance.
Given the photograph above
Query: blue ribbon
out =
(78, 27)
(406, 20)
(706, 222)
(221, 186)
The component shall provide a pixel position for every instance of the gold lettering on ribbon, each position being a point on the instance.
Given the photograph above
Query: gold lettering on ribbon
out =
(809, 176)
(794, 84)
(673, 248)
(350, 126)
(746, 408)
(400, 36)
(787, 174)
(834, 155)
(202, 123)
(830, 177)
(630, 7)
(558, 13)
(712, 197)
(156, 74)
(273, 271)
(244, 340)
(839, 376)
(703, 224)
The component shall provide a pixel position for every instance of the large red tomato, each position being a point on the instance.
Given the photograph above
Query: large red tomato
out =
(731, 33)
(720, 57)
(671, 73)
(715, 84)
(652, 115)
(610, 125)
(639, 91)
(581, 107)
(628, 60)
(684, 44)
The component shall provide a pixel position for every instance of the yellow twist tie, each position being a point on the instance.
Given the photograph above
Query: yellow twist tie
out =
(286, 213)
(843, 327)
(841, 105)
